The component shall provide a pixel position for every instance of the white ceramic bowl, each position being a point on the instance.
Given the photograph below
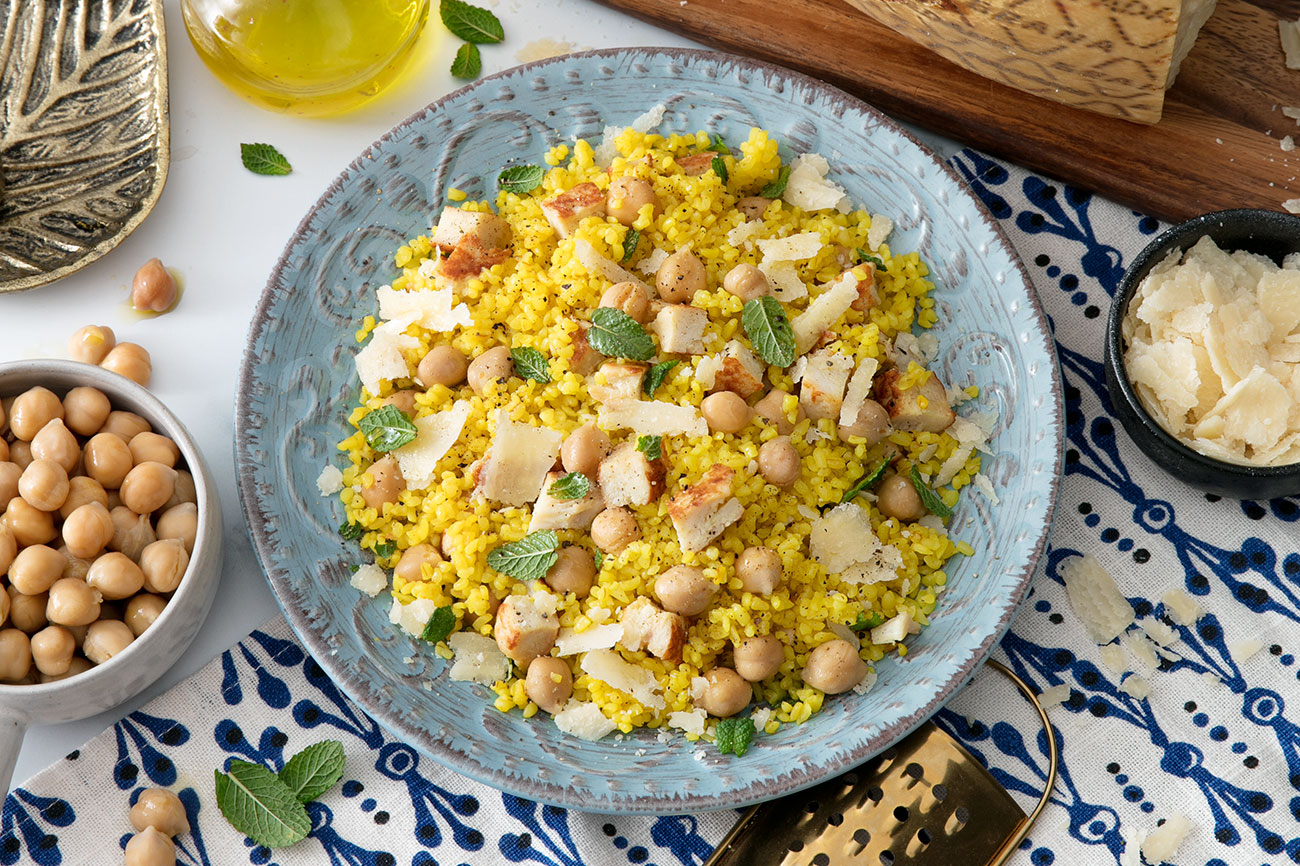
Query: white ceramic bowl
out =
(147, 658)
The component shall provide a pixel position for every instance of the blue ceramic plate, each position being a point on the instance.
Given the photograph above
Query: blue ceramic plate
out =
(298, 382)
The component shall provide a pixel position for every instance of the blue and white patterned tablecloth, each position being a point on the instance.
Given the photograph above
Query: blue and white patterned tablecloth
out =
(1214, 740)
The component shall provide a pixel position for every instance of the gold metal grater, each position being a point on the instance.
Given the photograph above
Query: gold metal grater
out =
(924, 802)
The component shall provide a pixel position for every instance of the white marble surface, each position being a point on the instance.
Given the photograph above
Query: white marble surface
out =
(222, 229)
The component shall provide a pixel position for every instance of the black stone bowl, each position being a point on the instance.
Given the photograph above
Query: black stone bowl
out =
(1269, 233)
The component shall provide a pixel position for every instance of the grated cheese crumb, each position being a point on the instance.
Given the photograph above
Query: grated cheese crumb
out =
(1162, 843)
(371, 580)
(583, 720)
(1096, 598)
(1245, 649)
(1053, 695)
(1136, 687)
(808, 189)
(651, 263)
(1181, 607)
(477, 657)
(1112, 656)
(330, 480)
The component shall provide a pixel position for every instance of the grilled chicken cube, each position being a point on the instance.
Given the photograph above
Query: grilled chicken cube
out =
(741, 371)
(821, 390)
(470, 258)
(628, 478)
(455, 224)
(697, 163)
(656, 631)
(567, 209)
(680, 329)
(585, 359)
(552, 513)
(617, 380)
(522, 631)
(868, 297)
(702, 511)
(920, 408)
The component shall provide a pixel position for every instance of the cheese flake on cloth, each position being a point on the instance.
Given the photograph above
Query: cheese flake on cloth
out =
(609, 667)
(1162, 843)
(1096, 598)
(518, 460)
(435, 434)
(808, 189)
(843, 541)
(431, 308)
(653, 418)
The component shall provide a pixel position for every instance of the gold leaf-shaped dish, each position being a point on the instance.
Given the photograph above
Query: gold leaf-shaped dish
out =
(83, 131)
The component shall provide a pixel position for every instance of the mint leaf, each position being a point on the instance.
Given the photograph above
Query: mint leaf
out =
(864, 256)
(385, 548)
(351, 531)
(768, 330)
(655, 377)
(264, 159)
(521, 179)
(259, 805)
(529, 558)
(630, 242)
(864, 622)
(734, 735)
(651, 446)
(929, 498)
(471, 23)
(468, 63)
(531, 364)
(616, 334)
(866, 482)
(575, 485)
(718, 145)
(719, 167)
(600, 559)
(776, 188)
(387, 428)
(314, 770)
(440, 624)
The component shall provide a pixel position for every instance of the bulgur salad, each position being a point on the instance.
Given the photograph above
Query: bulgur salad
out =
(648, 441)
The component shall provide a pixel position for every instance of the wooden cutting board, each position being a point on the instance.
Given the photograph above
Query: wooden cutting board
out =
(1217, 145)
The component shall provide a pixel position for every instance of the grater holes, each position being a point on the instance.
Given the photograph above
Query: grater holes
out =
(901, 813)
(822, 859)
(875, 794)
(940, 792)
(811, 806)
(918, 843)
(956, 821)
(887, 858)
(915, 770)
(862, 837)
(796, 845)
(835, 819)
(850, 780)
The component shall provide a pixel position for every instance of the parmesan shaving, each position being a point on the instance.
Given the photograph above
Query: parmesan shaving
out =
(1245, 649)
(477, 658)
(381, 359)
(371, 580)
(1053, 695)
(651, 263)
(856, 394)
(1096, 599)
(583, 720)
(881, 227)
(431, 309)
(602, 266)
(1289, 33)
(1162, 843)
(1112, 656)
(792, 248)
(1181, 607)
(808, 189)
(609, 667)
(689, 721)
(653, 418)
(518, 460)
(1142, 650)
(786, 283)
(824, 311)
(572, 642)
(435, 434)
(1159, 632)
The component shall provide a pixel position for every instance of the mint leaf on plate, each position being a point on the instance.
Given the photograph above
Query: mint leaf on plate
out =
(616, 334)
(575, 485)
(776, 188)
(471, 23)
(529, 558)
(259, 805)
(264, 159)
(314, 770)
(440, 625)
(929, 498)
(530, 364)
(387, 428)
(656, 376)
(768, 330)
(734, 735)
(521, 179)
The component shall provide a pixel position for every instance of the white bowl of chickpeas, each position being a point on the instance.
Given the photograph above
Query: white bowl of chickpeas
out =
(110, 543)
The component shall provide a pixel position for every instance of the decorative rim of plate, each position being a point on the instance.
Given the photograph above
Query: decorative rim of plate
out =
(797, 778)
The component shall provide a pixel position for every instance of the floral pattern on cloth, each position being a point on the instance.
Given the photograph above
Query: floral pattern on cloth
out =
(1213, 741)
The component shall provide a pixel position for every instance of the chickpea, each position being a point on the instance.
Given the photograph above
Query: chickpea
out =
(52, 650)
(56, 442)
(726, 694)
(32, 410)
(494, 365)
(5, 403)
(149, 447)
(125, 424)
(114, 500)
(4, 607)
(153, 289)
(29, 525)
(746, 282)
(79, 665)
(35, 569)
(116, 576)
(15, 655)
(626, 197)
(583, 450)
(27, 612)
(614, 529)
(631, 298)
(759, 570)
(759, 657)
(76, 567)
(131, 361)
(180, 522)
(162, 810)
(88, 530)
(8, 547)
(725, 412)
(411, 564)
(85, 410)
(574, 571)
(549, 683)
(91, 344)
(778, 461)
(403, 399)
(4, 451)
(185, 491)
(72, 602)
(834, 667)
(20, 453)
(680, 277)
(150, 848)
(444, 365)
(753, 206)
(142, 611)
(82, 490)
(872, 424)
(772, 408)
(44, 484)
(386, 483)
(685, 589)
(9, 475)
(108, 460)
(132, 532)
(105, 639)
(896, 497)
(147, 487)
